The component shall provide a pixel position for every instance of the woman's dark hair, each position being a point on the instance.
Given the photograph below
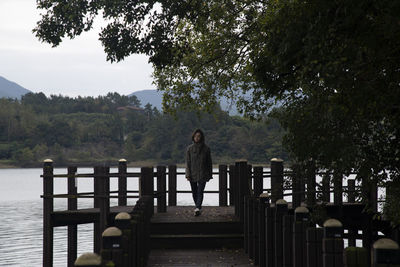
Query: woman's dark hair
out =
(202, 139)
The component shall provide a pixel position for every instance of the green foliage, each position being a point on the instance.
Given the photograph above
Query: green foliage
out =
(35, 132)
(332, 66)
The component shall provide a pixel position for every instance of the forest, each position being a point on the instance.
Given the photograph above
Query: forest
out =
(103, 129)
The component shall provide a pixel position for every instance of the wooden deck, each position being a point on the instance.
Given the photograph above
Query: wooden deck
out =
(213, 239)
(195, 257)
(185, 214)
(178, 228)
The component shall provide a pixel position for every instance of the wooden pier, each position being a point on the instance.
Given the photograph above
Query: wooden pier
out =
(252, 226)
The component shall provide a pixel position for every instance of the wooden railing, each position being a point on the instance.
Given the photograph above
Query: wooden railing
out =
(230, 181)
(276, 234)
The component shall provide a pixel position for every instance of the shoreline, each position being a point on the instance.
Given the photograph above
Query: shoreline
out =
(134, 164)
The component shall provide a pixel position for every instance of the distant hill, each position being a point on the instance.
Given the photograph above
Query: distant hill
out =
(9, 89)
(154, 97)
(149, 96)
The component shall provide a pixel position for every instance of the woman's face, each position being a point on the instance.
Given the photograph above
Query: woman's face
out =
(197, 137)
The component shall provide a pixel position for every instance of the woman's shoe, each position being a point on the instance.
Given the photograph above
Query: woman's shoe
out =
(196, 212)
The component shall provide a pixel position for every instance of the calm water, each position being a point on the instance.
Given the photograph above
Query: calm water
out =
(21, 221)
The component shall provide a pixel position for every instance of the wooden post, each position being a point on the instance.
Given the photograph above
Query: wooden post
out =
(367, 189)
(243, 182)
(281, 211)
(98, 192)
(172, 185)
(250, 226)
(311, 183)
(326, 184)
(297, 191)
(106, 201)
(48, 207)
(314, 246)
(276, 179)
(250, 178)
(258, 180)
(122, 183)
(112, 247)
(288, 240)
(332, 244)
(338, 188)
(301, 222)
(134, 239)
(232, 185)
(386, 253)
(88, 260)
(146, 182)
(72, 229)
(123, 222)
(256, 230)
(246, 225)
(270, 236)
(351, 188)
(161, 189)
(102, 201)
(264, 204)
(223, 187)
(355, 257)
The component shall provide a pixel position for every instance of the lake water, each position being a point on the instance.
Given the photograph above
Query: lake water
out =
(21, 211)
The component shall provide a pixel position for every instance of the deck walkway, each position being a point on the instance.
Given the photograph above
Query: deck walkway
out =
(185, 214)
(215, 238)
(198, 257)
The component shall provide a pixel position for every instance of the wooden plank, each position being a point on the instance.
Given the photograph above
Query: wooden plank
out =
(82, 216)
(161, 189)
(48, 206)
(122, 183)
(197, 257)
(185, 214)
(172, 185)
(72, 229)
(223, 185)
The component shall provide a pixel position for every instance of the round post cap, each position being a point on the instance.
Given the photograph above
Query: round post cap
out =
(333, 229)
(123, 216)
(88, 259)
(276, 160)
(385, 243)
(111, 231)
(301, 210)
(281, 202)
(122, 160)
(301, 214)
(332, 223)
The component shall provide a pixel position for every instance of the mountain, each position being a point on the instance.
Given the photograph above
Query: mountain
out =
(154, 97)
(9, 89)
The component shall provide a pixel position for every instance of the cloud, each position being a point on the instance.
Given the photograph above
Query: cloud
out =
(76, 67)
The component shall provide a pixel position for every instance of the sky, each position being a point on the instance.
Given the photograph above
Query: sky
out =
(75, 67)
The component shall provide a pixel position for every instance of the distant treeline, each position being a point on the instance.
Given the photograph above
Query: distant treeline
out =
(89, 130)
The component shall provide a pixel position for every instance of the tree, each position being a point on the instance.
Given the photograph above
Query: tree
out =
(332, 66)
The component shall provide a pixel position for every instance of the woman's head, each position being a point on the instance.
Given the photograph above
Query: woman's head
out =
(198, 136)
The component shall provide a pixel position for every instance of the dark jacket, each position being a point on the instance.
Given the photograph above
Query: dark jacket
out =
(198, 162)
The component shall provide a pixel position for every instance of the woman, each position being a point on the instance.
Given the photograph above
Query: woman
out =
(198, 168)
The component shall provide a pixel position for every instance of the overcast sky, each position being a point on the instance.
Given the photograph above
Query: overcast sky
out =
(76, 67)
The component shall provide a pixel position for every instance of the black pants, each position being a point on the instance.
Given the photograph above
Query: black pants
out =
(198, 192)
